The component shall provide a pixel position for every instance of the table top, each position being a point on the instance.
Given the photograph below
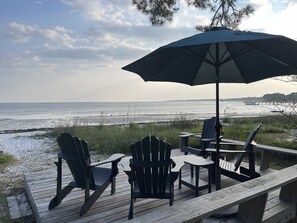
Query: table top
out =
(197, 160)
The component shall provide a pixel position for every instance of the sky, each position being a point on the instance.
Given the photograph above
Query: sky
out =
(73, 50)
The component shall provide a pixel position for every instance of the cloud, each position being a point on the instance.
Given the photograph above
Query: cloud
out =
(273, 17)
(59, 35)
(101, 10)
(23, 33)
(120, 32)
(18, 33)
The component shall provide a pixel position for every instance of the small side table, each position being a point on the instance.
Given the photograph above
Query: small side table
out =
(195, 183)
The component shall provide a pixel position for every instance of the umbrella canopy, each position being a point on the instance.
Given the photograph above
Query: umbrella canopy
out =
(241, 57)
(219, 55)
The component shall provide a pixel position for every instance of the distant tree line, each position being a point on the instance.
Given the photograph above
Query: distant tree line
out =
(277, 97)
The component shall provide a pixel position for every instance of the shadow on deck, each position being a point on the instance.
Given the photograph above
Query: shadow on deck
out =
(41, 186)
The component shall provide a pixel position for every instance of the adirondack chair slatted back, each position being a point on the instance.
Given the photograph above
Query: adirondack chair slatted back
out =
(247, 145)
(150, 165)
(77, 156)
(208, 132)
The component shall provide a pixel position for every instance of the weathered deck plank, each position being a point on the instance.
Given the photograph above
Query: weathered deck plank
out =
(41, 187)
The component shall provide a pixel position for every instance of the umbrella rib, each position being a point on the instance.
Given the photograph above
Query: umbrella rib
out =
(172, 61)
(228, 58)
(212, 57)
(189, 53)
(242, 51)
(266, 52)
(202, 58)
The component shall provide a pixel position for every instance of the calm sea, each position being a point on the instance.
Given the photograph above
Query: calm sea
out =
(17, 116)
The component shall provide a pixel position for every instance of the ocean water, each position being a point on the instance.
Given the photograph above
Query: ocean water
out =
(19, 116)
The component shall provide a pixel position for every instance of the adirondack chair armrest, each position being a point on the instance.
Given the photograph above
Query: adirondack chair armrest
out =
(208, 139)
(113, 158)
(237, 143)
(185, 134)
(222, 143)
(254, 143)
(212, 140)
(125, 163)
(213, 150)
(178, 163)
(188, 134)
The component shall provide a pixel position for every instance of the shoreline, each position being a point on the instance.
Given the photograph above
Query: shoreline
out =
(180, 117)
(20, 118)
(24, 130)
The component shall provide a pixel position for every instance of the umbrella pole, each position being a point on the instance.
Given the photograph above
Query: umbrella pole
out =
(218, 125)
(217, 157)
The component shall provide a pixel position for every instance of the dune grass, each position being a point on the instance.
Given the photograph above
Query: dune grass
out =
(275, 131)
(5, 160)
(112, 139)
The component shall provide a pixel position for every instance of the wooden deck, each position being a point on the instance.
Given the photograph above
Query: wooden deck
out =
(41, 186)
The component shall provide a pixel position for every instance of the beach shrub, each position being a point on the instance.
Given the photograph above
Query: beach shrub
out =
(182, 122)
(5, 160)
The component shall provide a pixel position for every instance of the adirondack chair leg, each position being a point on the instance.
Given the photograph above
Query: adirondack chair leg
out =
(87, 189)
(209, 177)
(171, 200)
(113, 185)
(179, 179)
(115, 171)
(171, 188)
(234, 175)
(92, 199)
(60, 194)
(252, 174)
(130, 216)
(252, 160)
(59, 180)
(58, 198)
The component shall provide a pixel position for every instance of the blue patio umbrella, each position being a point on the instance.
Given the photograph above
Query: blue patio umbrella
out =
(219, 55)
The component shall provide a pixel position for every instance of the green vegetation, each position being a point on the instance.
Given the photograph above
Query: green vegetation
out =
(110, 139)
(9, 187)
(281, 97)
(5, 160)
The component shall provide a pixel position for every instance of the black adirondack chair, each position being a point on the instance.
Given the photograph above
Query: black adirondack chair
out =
(150, 175)
(207, 135)
(87, 175)
(235, 170)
